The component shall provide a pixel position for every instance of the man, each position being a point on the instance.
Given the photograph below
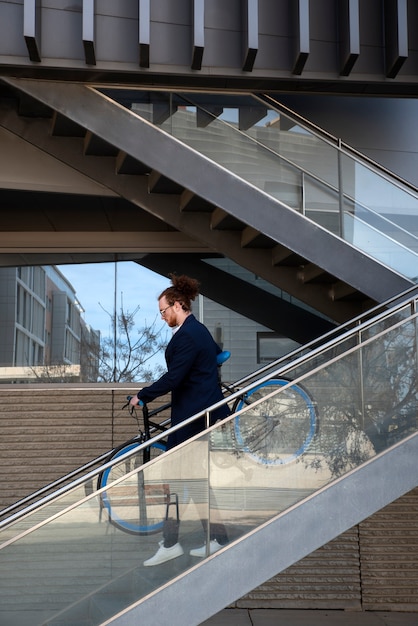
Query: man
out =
(192, 379)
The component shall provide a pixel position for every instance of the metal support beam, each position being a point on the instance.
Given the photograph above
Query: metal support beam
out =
(207, 115)
(32, 28)
(198, 33)
(267, 309)
(396, 36)
(88, 32)
(349, 35)
(144, 32)
(301, 18)
(99, 241)
(249, 116)
(250, 29)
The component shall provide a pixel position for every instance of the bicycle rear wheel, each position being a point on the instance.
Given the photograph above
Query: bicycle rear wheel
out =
(278, 429)
(133, 506)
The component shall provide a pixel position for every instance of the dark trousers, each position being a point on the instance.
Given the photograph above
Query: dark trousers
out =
(171, 532)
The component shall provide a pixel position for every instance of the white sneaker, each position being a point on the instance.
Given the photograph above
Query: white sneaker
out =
(164, 554)
(214, 546)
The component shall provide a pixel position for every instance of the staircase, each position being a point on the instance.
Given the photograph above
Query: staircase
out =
(64, 563)
(260, 189)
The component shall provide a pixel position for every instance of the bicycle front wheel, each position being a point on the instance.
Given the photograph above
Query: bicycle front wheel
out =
(133, 505)
(278, 429)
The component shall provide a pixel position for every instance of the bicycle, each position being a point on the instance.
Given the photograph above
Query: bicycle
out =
(275, 429)
(127, 506)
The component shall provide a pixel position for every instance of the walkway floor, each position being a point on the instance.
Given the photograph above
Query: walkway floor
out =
(285, 617)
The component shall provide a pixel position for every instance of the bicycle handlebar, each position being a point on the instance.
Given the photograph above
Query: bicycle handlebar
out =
(129, 398)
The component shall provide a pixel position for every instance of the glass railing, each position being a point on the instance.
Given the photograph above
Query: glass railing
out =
(286, 440)
(305, 171)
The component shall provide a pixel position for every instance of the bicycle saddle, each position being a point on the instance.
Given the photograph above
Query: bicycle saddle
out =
(222, 357)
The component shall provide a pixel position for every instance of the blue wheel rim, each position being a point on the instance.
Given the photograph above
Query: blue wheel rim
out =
(305, 444)
(122, 523)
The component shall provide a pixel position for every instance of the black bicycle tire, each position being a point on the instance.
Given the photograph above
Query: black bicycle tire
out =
(143, 525)
(253, 443)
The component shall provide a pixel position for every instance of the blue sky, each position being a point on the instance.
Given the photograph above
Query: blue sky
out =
(94, 285)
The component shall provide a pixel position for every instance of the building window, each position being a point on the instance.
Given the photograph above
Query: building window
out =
(39, 282)
(22, 349)
(71, 348)
(271, 346)
(38, 326)
(69, 313)
(23, 307)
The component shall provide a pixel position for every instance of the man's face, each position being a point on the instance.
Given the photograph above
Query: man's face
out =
(168, 312)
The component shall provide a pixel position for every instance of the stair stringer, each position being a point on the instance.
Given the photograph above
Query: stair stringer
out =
(242, 566)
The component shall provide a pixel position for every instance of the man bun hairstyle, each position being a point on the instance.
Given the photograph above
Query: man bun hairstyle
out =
(183, 290)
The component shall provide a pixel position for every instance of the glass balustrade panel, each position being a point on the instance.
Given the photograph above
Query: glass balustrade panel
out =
(310, 154)
(225, 144)
(371, 392)
(273, 152)
(269, 151)
(91, 558)
(373, 194)
(45, 511)
(381, 246)
(321, 204)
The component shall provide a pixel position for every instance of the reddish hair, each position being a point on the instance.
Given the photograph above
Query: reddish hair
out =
(183, 290)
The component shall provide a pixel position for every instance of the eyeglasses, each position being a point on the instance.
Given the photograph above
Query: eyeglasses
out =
(162, 311)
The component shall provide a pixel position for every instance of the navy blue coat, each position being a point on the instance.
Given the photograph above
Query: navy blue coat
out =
(191, 377)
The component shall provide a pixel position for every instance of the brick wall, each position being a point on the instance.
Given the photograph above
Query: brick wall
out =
(48, 431)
